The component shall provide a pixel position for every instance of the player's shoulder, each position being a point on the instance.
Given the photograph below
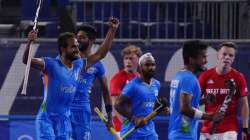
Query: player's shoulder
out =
(208, 72)
(51, 60)
(80, 61)
(155, 81)
(237, 74)
(119, 74)
(98, 64)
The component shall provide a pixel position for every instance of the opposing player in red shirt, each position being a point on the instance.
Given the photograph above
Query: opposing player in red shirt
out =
(130, 56)
(212, 82)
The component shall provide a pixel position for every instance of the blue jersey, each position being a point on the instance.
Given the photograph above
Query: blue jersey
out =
(59, 85)
(181, 126)
(143, 97)
(85, 82)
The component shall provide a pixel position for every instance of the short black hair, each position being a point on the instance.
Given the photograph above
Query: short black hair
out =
(62, 40)
(192, 49)
(89, 30)
(227, 44)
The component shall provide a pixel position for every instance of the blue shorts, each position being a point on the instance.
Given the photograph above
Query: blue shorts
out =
(149, 137)
(52, 127)
(81, 124)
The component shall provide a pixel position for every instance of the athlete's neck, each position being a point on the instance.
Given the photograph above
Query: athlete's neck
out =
(222, 70)
(190, 68)
(130, 71)
(85, 53)
(146, 79)
(66, 62)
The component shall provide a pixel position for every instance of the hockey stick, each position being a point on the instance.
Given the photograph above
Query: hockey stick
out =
(26, 76)
(102, 117)
(232, 89)
(147, 118)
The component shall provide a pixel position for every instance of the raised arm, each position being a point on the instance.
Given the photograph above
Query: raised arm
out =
(36, 63)
(106, 45)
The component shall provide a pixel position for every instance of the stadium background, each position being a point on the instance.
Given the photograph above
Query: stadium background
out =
(157, 26)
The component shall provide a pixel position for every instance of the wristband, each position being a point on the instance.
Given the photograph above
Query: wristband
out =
(197, 113)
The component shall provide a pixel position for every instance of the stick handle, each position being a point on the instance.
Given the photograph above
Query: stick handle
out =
(145, 119)
(27, 69)
(102, 117)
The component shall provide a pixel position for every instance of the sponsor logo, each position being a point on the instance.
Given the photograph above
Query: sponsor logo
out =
(210, 81)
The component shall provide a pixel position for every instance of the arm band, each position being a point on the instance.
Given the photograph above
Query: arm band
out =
(108, 108)
(197, 113)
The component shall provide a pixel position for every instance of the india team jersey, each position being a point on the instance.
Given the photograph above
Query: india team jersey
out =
(59, 85)
(118, 81)
(85, 82)
(180, 126)
(212, 83)
(143, 97)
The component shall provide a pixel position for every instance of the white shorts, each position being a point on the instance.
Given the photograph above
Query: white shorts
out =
(229, 135)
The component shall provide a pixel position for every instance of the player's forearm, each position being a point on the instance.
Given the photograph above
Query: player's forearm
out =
(106, 97)
(107, 43)
(114, 98)
(124, 112)
(245, 112)
(123, 109)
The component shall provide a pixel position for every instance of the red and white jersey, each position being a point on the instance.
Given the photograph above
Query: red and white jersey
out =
(118, 81)
(213, 83)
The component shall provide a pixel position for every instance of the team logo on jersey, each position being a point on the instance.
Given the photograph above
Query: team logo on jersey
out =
(91, 70)
(210, 81)
(68, 89)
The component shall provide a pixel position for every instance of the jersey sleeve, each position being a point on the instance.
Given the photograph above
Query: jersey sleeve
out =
(48, 64)
(115, 86)
(188, 85)
(202, 81)
(101, 70)
(128, 90)
(242, 86)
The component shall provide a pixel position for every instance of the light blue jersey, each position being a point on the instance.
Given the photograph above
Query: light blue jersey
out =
(80, 107)
(143, 97)
(59, 89)
(59, 85)
(85, 82)
(180, 126)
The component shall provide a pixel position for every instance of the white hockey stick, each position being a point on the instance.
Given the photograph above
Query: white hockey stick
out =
(26, 76)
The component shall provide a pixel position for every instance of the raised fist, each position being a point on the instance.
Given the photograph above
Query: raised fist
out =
(113, 22)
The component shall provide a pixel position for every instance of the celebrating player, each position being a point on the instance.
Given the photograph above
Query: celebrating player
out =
(53, 120)
(80, 108)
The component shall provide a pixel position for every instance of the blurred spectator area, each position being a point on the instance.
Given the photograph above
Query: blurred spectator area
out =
(143, 19)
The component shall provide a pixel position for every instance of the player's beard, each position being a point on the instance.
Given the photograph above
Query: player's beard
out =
(83, 46)
(72, 56)
(148, 74)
